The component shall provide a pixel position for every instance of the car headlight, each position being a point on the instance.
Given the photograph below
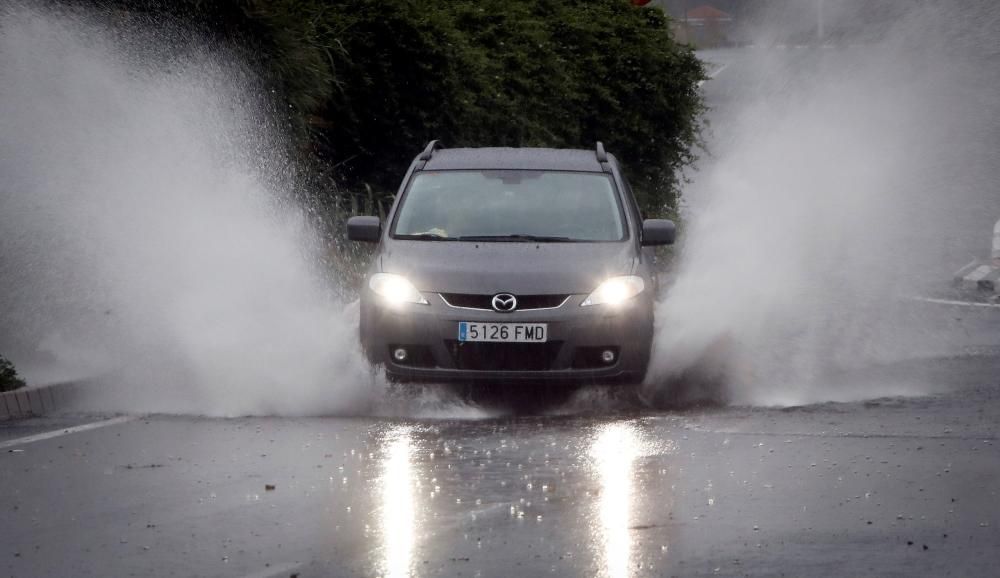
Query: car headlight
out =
(615, 291)
(395, 289)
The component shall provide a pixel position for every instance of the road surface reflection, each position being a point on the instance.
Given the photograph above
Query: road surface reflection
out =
(511, 485)
(613, 451)
(397, 518)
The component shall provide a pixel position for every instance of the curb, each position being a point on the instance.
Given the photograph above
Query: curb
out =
(37, 401)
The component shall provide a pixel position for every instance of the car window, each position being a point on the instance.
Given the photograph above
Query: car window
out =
(509, 204)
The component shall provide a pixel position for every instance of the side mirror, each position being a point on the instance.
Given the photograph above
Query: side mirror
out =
(366, 229)
(658, 232)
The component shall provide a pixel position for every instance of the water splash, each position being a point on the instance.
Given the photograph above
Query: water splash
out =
(149, 237)
(843, 178)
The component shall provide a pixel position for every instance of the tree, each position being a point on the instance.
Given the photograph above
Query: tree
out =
(9, 380)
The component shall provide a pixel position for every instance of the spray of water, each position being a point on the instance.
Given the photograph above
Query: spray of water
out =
(148, 238)
(840, 179)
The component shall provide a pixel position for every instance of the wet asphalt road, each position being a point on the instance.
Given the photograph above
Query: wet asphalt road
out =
(888, 487)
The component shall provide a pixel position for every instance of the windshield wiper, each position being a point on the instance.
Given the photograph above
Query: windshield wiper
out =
(424, 237)
(516, 238)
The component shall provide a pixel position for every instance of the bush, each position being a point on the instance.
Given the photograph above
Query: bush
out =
(369, 82)
(9, 381)
(554, 73)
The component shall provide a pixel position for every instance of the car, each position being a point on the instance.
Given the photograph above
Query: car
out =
(511, 266)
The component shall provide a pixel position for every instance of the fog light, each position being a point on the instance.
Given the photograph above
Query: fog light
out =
(399, 354)
(608, 356)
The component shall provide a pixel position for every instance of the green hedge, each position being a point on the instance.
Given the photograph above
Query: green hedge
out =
(369, 82)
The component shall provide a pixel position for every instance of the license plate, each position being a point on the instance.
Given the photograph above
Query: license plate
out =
(503, 332)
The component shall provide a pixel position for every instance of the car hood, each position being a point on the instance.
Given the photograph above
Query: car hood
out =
(519, 268)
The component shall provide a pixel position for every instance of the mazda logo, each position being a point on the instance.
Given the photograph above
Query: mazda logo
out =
(504, 302)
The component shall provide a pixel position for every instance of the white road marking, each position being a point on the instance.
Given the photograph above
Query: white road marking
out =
(713, 74)
(67, 431)
(958, 303)
(276, 570)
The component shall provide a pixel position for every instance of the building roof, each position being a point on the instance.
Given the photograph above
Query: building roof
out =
(706, 12)
(514, 158)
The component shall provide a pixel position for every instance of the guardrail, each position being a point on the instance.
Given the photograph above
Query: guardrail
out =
(38, 401)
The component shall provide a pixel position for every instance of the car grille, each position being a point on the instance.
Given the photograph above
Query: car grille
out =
(477, 356)
(485, 302)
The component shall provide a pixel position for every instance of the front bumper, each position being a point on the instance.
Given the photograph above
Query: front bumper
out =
(576, 336)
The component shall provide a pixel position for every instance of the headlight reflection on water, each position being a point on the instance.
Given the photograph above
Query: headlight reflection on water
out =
(613, 452)
(398, 519)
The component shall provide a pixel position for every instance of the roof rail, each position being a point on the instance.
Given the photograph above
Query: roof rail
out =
(602, 156)
(429, 150)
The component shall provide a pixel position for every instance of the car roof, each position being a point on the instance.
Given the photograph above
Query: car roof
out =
(513, 158)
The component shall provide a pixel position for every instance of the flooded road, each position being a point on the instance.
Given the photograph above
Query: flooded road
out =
(890, 486)
(886, 487)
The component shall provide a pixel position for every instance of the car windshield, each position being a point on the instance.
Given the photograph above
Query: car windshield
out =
(510, 205)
